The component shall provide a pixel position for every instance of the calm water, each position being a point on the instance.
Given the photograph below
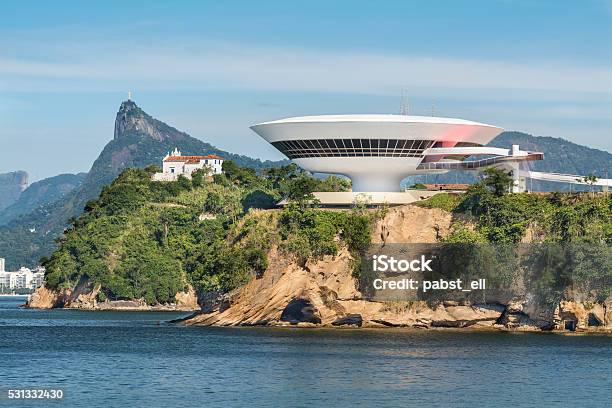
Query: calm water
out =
(134, 359)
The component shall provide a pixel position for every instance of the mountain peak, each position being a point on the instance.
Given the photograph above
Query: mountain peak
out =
(132, 119)
(127, 106)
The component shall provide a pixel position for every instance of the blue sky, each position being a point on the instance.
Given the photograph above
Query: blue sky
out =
(214, 68)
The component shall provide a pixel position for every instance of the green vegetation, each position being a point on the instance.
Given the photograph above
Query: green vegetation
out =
(445, 201)
(569, 238)
(145, 239)
(505, 218)
(497, 181)
(461, 234)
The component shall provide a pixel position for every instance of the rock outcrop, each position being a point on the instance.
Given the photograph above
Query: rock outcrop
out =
(45, 298)
(324, 292)
(410, 223)
(85, 297)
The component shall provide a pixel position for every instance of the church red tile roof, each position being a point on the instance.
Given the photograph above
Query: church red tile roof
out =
(191, 159)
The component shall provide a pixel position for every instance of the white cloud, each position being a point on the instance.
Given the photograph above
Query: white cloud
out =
(237, 66)
(542, 97)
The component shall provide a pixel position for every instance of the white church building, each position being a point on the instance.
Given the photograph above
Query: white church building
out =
(175, 164)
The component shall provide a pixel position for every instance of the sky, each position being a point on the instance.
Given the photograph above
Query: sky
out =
(214, 68)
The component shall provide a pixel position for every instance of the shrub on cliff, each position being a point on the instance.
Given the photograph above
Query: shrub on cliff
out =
(314, 232)
(445, 201)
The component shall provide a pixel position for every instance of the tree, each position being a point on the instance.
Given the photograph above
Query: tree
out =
(230, 169)
(301, 189)
(591, 179)
(184, 183)
(278, 175)
(334, 183)
(197, 177)
(239, 175)
(498, 181)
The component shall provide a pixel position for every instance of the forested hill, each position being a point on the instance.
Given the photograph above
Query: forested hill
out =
(139, 140)
(147, 239)
(42, 193)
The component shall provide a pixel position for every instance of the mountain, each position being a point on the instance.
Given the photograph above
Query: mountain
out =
(560, 156)
(11, 186)
(40, 193)
(139, 140)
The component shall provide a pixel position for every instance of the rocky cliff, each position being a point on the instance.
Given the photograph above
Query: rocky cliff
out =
(324, 292)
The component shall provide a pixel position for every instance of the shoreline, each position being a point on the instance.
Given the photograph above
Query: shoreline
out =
(607, 333)
(418, 329)
(184, 321)
(113, 309)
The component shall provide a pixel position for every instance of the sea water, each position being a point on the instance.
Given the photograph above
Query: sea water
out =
(138, 359)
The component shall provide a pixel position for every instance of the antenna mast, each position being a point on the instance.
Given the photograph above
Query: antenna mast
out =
(404, 105)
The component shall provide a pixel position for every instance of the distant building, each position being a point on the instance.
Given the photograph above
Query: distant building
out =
(175, 165)
(24, 278)
(38, 277)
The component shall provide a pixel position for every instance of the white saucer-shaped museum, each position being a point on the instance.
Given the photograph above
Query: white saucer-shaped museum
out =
(377, 151)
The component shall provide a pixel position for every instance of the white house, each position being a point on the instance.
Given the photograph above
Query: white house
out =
(174, 165)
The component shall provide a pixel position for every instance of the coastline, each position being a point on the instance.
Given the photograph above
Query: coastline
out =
(114, 308)
(324, 292)
(474, 328)
(411, 329)
(85, 298)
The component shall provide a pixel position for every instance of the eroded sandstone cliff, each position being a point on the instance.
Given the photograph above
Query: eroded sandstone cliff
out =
(324, 292)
